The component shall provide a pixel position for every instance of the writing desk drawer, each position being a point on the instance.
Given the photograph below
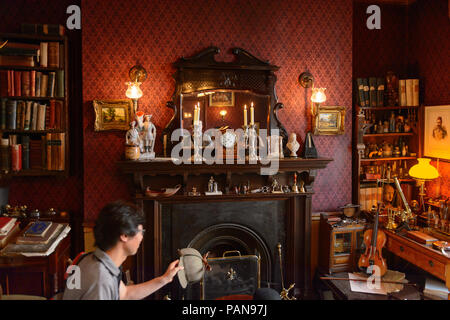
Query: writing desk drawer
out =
(418, 258)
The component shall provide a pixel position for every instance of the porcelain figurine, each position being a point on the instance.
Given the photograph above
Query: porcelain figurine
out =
(148, 138)
(132, 136)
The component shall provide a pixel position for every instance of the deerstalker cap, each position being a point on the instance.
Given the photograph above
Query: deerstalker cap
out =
(194, 268)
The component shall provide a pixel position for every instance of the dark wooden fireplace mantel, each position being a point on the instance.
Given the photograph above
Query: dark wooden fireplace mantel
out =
(157, 174)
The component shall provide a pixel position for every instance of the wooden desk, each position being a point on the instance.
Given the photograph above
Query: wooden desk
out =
(424, 257)
(39, 276)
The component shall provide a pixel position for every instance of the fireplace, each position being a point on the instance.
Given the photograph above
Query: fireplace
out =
(250, 227)
(253, 224)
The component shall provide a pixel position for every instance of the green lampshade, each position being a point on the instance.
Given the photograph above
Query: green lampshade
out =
(423, 170)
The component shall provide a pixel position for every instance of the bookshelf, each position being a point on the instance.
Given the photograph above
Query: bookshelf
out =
(386, 142)
(34, 105)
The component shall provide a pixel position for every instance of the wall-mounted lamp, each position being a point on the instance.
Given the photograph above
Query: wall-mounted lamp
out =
(223, 113)
(317, 97)
(423, 171)
(137, 75)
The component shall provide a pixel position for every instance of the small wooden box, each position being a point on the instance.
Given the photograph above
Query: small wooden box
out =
(421, 237)
(339, 246)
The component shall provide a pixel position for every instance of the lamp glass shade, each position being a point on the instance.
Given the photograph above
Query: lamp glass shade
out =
(423, 170)
(318, 95)
(133, 91)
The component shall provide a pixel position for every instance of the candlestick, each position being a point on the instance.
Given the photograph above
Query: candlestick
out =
(245, 115)
(198, 113)
(252, 114)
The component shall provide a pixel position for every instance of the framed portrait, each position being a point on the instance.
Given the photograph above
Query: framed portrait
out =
(221, 99)
(436, 140)
(329, 120)
(112, 114)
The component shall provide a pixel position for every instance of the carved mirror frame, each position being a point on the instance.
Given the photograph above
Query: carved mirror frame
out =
(202, 72)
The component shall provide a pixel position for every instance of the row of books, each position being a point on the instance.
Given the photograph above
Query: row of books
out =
(8, 228)
(371, 92)
(37, 238)
(31, 115)
(408, 92)
(15, 83)
(46, 152)
(369, 197)
(43, 54)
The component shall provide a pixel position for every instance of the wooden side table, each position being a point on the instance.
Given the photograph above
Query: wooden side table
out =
(37, 276)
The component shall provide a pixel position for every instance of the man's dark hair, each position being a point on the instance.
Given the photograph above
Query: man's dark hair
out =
(116, 218)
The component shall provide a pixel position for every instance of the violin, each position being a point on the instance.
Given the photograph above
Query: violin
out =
(374, 241)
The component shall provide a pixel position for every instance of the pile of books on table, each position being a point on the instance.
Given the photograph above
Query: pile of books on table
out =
(40, 238)
(9, 227)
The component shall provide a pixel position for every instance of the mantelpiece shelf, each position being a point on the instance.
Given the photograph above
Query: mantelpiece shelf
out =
(223, 197)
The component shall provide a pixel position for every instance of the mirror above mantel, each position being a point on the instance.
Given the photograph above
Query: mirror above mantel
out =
(222, 89)
(225, 109)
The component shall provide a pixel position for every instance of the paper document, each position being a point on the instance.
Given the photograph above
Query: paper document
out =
(366, 286)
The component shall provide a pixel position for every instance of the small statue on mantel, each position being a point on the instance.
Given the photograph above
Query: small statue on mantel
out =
(293, 145)
(132, 136)
(148, 138)
(132, 143)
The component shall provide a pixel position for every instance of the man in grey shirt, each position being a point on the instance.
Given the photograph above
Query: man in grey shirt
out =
(118, 232)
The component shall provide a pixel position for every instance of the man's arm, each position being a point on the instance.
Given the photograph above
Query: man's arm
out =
(142, 290)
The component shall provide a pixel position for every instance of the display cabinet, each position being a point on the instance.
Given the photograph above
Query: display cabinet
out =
(340, 243)
(386, 143)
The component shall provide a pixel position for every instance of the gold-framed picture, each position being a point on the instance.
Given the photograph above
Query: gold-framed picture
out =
(112, 114)
(221, 99)
(437, 132)
(329, 120)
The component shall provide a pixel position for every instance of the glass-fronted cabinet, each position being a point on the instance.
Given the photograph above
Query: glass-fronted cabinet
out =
(340, 244)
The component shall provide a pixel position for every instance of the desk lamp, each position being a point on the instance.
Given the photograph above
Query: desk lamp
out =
(423, 171)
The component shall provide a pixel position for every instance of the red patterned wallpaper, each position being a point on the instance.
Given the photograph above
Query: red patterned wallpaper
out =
(46, 192)
(295, 35)
(429, 46)
(380, 50)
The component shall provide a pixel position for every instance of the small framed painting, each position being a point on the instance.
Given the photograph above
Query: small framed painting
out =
(112, 114)
(221, 99)
(436, 140)
(329, 120)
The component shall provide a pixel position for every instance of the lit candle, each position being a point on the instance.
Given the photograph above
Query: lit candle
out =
(198, 113)
(245, 115)
(195, 114)
(252, 114)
